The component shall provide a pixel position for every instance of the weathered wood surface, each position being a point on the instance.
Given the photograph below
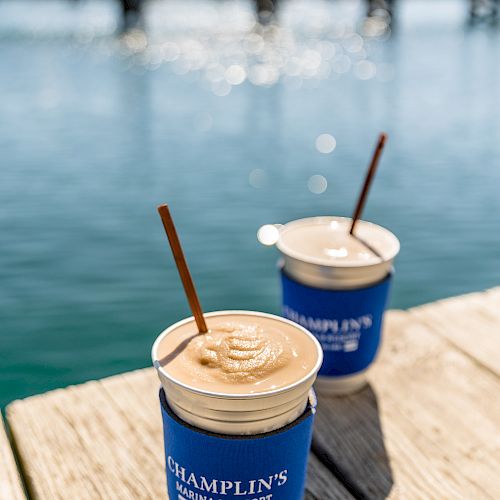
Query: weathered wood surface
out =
(427, 426)
(470, 322)
(322, 485)
(104, 439)
(10, 481)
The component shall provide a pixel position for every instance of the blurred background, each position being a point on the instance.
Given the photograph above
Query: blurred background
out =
(110, 108)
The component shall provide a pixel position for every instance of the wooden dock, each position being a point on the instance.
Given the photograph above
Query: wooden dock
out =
(427, 425)
(10, 481)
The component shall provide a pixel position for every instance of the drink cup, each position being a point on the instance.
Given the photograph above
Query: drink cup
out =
(236, 444)
(337, 287)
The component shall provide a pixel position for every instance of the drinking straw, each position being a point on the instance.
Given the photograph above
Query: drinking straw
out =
(368, 181)
(182, 267)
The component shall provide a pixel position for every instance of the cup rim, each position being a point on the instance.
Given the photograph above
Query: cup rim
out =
(288, 252)
(243, 396)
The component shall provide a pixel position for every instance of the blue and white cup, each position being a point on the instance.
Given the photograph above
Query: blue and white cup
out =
(205, 465)
(338, 293)
(234, 446)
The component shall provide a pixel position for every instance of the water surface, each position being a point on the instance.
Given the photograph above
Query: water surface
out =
(92, 142)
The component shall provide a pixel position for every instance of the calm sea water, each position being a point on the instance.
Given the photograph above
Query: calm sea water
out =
(92, 142)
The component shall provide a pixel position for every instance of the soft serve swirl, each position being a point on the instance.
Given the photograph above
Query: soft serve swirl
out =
(237, 352)
(240, 354)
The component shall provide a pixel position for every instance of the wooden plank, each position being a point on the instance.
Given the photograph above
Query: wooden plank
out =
(82, 443)
(321, 485)
(427, 426)
(470, 322)
(104, 439)
(10, 481)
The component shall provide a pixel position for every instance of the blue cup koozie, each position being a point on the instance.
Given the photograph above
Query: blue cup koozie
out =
(205, 465)
(347, 323)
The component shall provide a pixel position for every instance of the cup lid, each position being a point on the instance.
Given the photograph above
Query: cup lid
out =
(325, 241)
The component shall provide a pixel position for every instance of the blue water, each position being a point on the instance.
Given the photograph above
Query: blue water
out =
(93, 140)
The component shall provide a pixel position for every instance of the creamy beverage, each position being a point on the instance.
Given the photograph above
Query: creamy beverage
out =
(236, 400)
(326, 241)
(250, 373)
(248, 381)
(240, 354)
(336, 285)
(320, 252)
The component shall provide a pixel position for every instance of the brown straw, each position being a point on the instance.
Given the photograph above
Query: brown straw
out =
(368, 180)
(183, 268)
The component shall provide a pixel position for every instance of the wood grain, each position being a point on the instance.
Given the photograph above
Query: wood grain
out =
(104, 439)
(470, 322)
(10, 481)
(427, 426)
(321, 485)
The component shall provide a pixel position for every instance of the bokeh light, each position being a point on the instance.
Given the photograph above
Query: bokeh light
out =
(257, 178)
(317, 184)
(221, 88)
(226, 43)
(235, 74)
(365, 70)
(268, 234)
(308, 44)
(325, 143)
